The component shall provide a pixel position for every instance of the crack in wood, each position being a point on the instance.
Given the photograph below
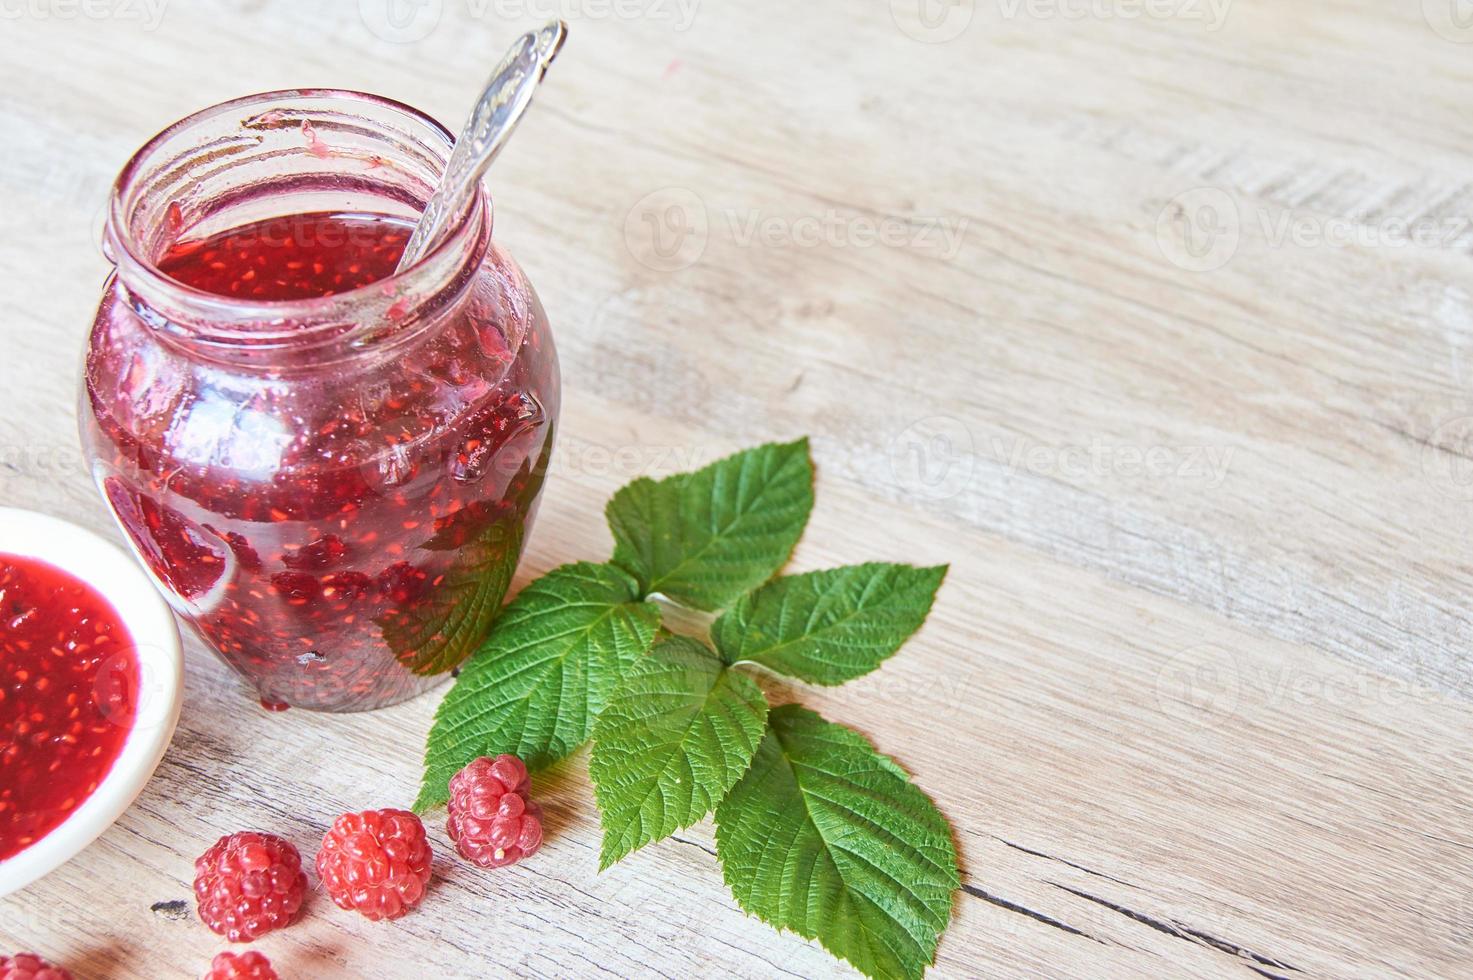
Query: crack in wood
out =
(693, 843)
(986, 896)
(1003, 903)
(1071, 864)
(1189, 934)
(976, 892)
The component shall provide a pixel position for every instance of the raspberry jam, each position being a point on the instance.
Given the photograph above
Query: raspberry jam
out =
(299, 257)
(68, 683)
(329, 468)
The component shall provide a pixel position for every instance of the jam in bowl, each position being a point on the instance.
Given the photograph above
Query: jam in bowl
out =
(91, 680)
(330, 469)
(68, 682)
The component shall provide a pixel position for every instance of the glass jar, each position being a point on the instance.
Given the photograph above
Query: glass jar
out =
(331, 479)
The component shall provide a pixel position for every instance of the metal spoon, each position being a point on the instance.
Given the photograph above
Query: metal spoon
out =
(497, 112)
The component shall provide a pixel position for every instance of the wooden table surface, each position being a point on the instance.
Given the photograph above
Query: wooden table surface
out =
(1155, 319)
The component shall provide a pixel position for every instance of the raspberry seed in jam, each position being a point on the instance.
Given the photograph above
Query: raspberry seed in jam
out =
(68, 689)
(328, 465)
(316, 549)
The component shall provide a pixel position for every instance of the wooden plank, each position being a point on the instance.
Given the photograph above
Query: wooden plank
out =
(1196, 692)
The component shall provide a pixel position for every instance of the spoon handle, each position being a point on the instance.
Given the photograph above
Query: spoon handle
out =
(497, 112)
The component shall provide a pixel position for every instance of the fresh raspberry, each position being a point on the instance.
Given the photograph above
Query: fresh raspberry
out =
(377, 862)
(492, 820)
(29, 966)
(249, 884)
(241, 966)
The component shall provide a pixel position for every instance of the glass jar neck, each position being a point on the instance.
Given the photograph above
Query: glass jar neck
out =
(280, 155)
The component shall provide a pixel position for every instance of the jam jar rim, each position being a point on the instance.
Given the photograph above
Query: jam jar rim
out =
(427, 277)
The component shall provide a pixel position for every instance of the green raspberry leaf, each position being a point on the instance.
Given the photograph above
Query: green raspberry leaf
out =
(704, 538)
(829, 627)
(829, 838)
(676, 735)
(437, 633)
(443, 627)
(554, 656)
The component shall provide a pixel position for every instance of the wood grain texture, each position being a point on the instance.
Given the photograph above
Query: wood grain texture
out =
(1196, 692)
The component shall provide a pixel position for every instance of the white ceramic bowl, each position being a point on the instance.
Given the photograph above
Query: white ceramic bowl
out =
(126, 586)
